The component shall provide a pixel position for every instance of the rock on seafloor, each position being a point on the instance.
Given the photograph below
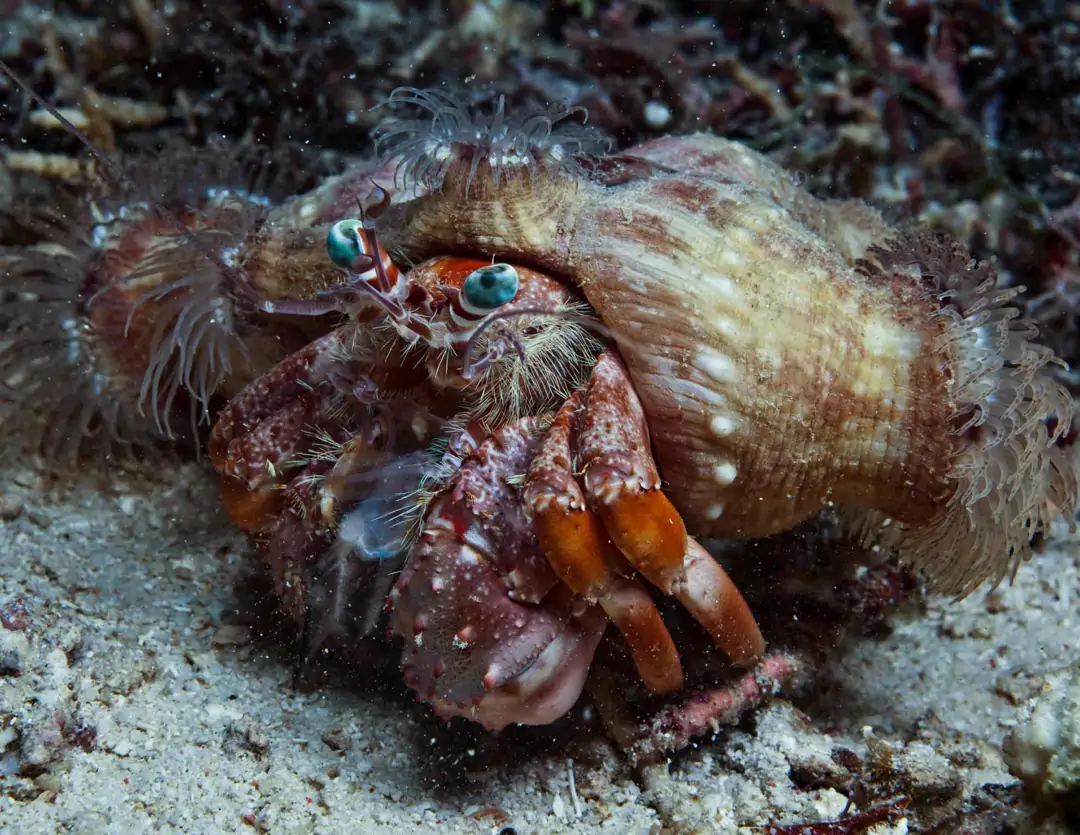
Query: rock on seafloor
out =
(1044, 748)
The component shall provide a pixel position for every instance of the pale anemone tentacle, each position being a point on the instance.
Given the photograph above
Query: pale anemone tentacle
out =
(428, 148)
(1010, 477)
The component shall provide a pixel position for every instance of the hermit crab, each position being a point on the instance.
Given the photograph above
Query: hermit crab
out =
(537, 370)
(788, 352)
(507, 574)
(775, 353)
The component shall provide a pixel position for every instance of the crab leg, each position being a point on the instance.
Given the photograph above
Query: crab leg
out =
(253, 511)
(274, 390)
(250, 480)
(710, 596)
(583, 556)
(621, 481)
(623, 486)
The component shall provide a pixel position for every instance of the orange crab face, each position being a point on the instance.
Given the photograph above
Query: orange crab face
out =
(535, 290)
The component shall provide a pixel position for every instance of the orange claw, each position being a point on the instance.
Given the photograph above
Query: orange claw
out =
(578, 549)
(714, 601)
(648, 529)
(621, 480)
(583, 556)
(623, 485)
(255, 510)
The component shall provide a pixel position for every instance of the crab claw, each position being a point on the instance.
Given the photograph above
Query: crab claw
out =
(261, 428)
(489, 631)
(581, 552)
(622, 484)
(237, 428)
(621, 481)
(253, 511)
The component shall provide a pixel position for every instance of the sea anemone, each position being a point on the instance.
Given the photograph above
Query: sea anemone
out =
(1009, 477)
(56, 382)
(120, 323)
(504, 143)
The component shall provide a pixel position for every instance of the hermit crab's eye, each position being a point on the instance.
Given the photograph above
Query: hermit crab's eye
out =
(344, 242)
(491, 287)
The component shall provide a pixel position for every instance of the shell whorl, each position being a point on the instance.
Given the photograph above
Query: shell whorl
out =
(778, 372)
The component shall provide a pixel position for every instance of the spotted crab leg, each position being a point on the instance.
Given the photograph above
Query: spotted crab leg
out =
(317, 471)
(583, 556)
(325, 385)
(283, 384)
(622, 485)
(489, 631)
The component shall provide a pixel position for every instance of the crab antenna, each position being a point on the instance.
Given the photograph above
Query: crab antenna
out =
(374, 204)
(117, 174)
(470, 363)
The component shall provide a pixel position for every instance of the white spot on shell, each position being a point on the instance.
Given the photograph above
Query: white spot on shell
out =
(885, 340)
(713, 512)
(722, 285)
(716, 365)
(742, 235)
(726, 326)
(725, 473)
(722, 425)
(732, 258)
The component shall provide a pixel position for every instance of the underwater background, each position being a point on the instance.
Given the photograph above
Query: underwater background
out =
(146, 674)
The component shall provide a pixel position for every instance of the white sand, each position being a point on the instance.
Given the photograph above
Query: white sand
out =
(130, 593)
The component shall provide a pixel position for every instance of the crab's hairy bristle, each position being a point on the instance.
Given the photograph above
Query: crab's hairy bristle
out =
(1011, 476)
(324, 447)
(494, 144)
(559, 351)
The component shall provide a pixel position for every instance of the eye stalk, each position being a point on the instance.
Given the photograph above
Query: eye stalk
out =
(490, 287)
(345, 242)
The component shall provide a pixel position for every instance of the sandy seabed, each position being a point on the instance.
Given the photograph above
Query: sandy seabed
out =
(132, 699)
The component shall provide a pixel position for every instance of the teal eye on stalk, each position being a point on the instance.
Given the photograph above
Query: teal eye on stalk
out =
(345, 243)
(491, 287)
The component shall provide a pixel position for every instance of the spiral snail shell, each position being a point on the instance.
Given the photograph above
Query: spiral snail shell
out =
(789, 352)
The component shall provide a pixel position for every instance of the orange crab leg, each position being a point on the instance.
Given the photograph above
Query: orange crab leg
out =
(622, 483)
(650, 532)
(621, 480)
(714, 601)
(581, 553)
